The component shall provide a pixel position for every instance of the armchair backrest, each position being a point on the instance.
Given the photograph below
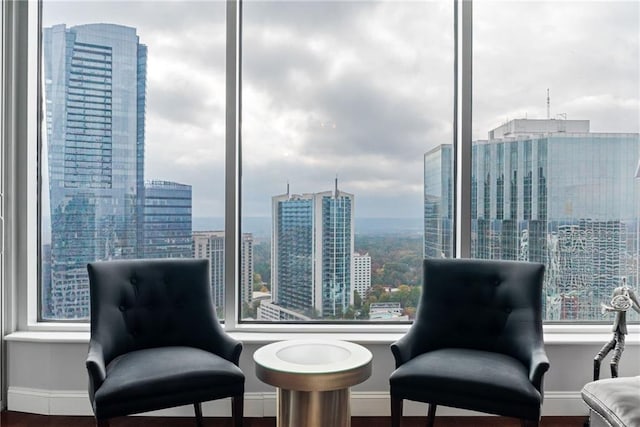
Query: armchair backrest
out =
(137, 304)
(481, 304)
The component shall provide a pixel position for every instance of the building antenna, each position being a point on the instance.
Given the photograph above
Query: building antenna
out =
(288, 189)
(336, 192)
(548, 105)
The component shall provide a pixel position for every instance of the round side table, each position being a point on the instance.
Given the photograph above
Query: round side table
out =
(313, 377)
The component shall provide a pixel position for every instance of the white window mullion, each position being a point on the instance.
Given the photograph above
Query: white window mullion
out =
(462, 123)
(232, 166)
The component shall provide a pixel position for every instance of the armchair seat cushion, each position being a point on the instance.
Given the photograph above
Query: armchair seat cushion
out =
(467, 378)
(617, 400)
(160, 377)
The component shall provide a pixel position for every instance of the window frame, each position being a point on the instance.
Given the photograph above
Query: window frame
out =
(22, 172)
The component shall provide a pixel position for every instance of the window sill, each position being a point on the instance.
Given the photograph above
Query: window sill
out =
(553, 335)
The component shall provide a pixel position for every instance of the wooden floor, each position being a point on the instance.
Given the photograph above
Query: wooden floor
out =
(19, 419)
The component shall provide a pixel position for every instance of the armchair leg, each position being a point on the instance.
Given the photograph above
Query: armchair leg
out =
(530, 423)
(198, 409)
(396, 411)
(237, 410)
(431, 415)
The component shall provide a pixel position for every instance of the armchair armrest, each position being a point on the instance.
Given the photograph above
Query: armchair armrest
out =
(227, 347)
(538, 365)
(96, 365)
(404, 348)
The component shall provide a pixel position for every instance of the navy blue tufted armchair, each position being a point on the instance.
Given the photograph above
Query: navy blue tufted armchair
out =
(155, 340)
(476, 342)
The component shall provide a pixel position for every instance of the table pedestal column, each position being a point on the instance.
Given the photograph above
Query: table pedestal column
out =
(314, 408)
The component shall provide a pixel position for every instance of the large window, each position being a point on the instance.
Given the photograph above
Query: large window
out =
(555, 146)
(342, 121)
(132, 152)
(340, 102)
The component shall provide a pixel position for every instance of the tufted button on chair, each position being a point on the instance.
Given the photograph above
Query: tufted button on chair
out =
(155, 340)
(476, 342)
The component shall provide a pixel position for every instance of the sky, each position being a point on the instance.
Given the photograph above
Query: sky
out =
(361, 90)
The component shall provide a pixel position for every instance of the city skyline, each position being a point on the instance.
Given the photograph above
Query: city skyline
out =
(387, 108)
(343, 125)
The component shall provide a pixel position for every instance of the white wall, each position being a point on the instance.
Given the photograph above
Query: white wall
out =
(50, 378)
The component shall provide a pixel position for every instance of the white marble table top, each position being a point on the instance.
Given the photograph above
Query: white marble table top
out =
(312, 356)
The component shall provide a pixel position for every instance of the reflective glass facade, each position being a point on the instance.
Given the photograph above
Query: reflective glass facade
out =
(94, 91)
(337, 248)
(438, 205)
(167, 220)
(312, 247)
(568, 199)
(292, 281)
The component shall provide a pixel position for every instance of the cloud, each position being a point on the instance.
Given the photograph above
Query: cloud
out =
(361, 89)
(356, 100)
(578, 50)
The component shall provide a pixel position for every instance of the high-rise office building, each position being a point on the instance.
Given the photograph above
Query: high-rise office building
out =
(95, 85)
(45, 294)
(167, 220)
(246, 267)
(312, 246)
(549, 191)
(268, 311)
(210, 245)
(438, 205)
(361, 274)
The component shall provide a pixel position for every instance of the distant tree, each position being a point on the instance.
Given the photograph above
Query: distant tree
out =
(364, 312)
(350, 313)
(377, 275)
(401, 295)
(357, 299)
(414, 299)
(395, 259)
(395, 273)
(410, 312)
(249, 310)
(262, 260)
(376, 292)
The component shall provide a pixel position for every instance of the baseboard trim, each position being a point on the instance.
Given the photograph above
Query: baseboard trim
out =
(66, 402)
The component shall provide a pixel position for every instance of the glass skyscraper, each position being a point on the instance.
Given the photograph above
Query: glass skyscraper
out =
(167, 220)
(312, 246)
(549, 191)
(95, 86)
(438, 203)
